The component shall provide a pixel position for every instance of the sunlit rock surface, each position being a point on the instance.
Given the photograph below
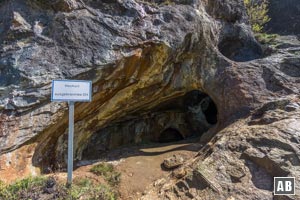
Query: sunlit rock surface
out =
(142, 57)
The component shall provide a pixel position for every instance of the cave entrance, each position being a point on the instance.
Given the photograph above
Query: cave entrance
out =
(240, 50)
(211, 113)
(184, 117)
(197, 102)
(170, 135)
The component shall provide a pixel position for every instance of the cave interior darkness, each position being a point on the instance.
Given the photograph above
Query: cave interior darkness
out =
(190, 101)
(180, 118)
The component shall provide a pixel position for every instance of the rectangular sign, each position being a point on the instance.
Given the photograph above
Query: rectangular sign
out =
(71, 90)
(284, 185)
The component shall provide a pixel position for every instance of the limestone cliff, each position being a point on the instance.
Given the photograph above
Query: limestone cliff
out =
(157, 67)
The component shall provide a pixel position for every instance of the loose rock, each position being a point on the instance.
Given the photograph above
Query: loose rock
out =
(173, 162)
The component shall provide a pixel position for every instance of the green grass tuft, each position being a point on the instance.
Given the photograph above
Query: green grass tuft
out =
(102, 169)
(265, 38)
(48, 188)
(21, 188)
(108, 172)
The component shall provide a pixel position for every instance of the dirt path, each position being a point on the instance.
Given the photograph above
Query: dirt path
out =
(140, 166)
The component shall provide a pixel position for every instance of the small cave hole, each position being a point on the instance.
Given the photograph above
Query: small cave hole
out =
(170, 135)
(239, 50)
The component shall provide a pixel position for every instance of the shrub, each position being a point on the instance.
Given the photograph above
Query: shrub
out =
(257, 11)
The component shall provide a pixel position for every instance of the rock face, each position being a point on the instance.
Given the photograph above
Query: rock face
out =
(144, 59)
(285, 17)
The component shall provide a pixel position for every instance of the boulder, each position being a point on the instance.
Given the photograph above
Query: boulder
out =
(179, 172)
(173, 162)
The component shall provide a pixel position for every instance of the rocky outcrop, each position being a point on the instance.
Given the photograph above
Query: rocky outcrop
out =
(241, 161)
(284, 17)
(144, 58)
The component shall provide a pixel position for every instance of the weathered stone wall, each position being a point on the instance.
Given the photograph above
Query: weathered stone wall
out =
(285, 17)
(137, 56)
(140, 55)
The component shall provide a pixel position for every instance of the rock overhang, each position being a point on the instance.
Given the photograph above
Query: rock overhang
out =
(155, 59)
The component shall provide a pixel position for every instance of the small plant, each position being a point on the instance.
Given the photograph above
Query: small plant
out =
(114, 178)
(4, 194)
(86, 189)
(265, 38)
(80, 188)
(150, 2)
(257, 11)
(104, 192)
(22, 189)
(107, 170)
(102, 169)
(158, 3)
(168, 2)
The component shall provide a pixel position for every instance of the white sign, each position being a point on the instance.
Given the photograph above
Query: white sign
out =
(71, 90)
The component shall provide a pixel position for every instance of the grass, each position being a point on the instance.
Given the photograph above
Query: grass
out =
(86, 189)
(21, 189)
(108, 172)
(102, 169)
(265, 38)
(47, 187)
(154, 3)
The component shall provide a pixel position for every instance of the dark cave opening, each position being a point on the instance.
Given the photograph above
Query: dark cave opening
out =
(177, 119)
(180, 119)
(240, 50)
(211, 113)
(170, 135)
(197, 98)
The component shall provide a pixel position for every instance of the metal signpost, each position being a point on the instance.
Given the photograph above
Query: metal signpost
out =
(71, 91)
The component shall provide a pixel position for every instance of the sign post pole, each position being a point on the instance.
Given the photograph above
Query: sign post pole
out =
(71, 91)
(70, 142)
